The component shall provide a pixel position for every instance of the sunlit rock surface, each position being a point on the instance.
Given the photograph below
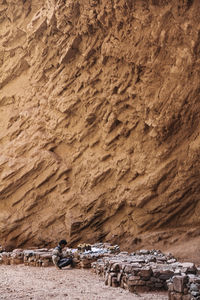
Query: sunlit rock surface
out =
(99, 121)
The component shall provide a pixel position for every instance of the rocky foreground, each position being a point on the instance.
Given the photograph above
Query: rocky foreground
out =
(138, 272)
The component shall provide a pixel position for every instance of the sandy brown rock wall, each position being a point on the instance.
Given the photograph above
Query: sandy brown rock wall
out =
(99, 120)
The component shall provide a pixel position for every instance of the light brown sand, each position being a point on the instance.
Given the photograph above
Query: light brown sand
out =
(20, 282)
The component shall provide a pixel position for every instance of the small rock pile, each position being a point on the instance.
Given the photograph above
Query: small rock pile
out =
(145, 270)
(84, 257)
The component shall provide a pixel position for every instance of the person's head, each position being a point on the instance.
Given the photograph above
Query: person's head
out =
(62, 243)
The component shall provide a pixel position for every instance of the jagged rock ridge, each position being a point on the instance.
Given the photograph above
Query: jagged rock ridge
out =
(99, 120)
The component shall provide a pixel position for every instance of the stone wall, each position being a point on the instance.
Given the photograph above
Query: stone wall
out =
(150, 271)
(184, 287)
(43, 257)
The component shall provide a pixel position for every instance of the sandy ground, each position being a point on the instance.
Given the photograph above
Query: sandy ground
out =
(20, 282)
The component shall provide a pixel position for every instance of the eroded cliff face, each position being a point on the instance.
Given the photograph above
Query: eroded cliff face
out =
(99, 120)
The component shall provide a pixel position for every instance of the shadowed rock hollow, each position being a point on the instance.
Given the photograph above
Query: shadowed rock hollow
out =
(99, 121)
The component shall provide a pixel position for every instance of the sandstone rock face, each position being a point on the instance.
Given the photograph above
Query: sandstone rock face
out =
(99, 120)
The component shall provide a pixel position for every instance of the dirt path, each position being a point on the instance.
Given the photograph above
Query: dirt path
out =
(20, 282)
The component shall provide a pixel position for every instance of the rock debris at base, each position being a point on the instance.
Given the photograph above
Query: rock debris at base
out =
(141, 271)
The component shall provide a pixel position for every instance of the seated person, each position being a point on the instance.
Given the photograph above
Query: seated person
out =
(57, 256)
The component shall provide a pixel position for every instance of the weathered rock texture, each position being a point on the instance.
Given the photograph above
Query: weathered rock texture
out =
(99, 120)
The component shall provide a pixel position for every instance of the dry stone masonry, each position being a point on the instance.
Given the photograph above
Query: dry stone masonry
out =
(150, 271)
(141, 271)
(185, 286)
(83, 256)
